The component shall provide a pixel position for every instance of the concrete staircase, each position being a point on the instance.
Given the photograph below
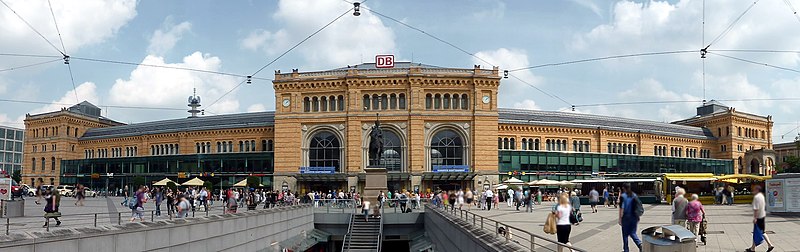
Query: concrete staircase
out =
(364, 235)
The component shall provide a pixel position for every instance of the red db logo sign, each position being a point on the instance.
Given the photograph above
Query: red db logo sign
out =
(384, 61)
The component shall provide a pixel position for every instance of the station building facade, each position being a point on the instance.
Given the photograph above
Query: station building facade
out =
(442, 129)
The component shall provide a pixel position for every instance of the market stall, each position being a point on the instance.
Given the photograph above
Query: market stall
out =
(644, 187)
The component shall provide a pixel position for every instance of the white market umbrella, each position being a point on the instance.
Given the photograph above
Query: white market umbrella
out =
(545, 182)
(513, 181)
(194, 182)
(501, 187)
(243, 183)
(163, 182)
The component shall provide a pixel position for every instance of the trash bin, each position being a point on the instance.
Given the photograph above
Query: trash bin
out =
(13, 208)
(668, 238)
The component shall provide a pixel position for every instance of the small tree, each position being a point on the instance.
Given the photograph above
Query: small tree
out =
(17, 176)
(208, 185)
(138, 181)
(172, 186)
(253, 181)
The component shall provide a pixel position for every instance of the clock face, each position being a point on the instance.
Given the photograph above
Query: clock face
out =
(486, 99)
(286, 102)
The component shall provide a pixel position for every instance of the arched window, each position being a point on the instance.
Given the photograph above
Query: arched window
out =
(446, 101)
(392, 157)
(314, 104)
(332, 103)
(564, 145)
(323, 104)
(447, 148)
(624, 148)
(428, 101)
(366, 102)
(524, 144)
(547, 145)
(270, 146)
(505, 143)
(376, 102)
(219, 147)
(456, 101)
(384, 102)
(574, 145)
(241, 144)
(340, 102)
(152, 150)
(464, 102)
(437, 101)
(634, 149)
(558, 145)
(536, 144)
(52, 163)
(307, 104)
(324, 150)
(499, 143)
(401, 101)
(513, 144)
(586, 146)
(197, 147)
(43, 163)
(393, 101)
(610, 148)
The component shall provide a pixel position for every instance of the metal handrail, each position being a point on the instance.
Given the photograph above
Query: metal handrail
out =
(349, 232)
(480, 222)
(380, 235)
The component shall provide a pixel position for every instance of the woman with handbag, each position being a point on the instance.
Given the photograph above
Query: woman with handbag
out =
(563, 213)
(51, 207)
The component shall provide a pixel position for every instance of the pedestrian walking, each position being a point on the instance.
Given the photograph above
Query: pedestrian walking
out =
(563, 226)
(489, 195)
(137, 207)
(529, 202)
(594, 198)
(158, 195)
(125, 196)
(605, 197)
(575, 202)
(365, 209)
(510, 198)
(80, 194)
(694, 216)
(170, 196)
(759, 220)
(182, 207)
(630, 212)
(52, 202)
(679, 208)
(470, 199)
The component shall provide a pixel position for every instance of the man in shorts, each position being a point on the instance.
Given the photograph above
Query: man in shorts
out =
(594, 197)
(759, 215)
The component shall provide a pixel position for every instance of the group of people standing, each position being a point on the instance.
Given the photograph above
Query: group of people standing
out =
(179, 203)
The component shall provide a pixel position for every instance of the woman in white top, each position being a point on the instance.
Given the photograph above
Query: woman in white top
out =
(365, 209)
(563, 226)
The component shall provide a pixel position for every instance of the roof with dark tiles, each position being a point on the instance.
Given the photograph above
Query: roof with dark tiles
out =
(231, 121)
(588, 121)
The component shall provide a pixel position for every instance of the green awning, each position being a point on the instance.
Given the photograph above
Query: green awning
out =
(448, 176)
(336, 177)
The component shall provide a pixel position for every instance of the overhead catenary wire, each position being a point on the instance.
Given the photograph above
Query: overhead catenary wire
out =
(281, 55)
(64, 53)
(164, 66)
(31, 26)
(29, 55)
(603, 58)
(791, 7)
(756, 62)
(684, 101)
(731, 25)
(29, 65)
(108, 106)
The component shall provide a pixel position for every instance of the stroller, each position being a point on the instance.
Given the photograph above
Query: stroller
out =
(703, 229)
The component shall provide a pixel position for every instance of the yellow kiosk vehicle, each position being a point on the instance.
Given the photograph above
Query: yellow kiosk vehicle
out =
(706, 185)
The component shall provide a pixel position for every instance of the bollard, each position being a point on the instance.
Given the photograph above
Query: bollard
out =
(95, 220)
(481, 222)
(152, 216)
(192, 213)
(8, 223)
(47, 224)
(119, 218)
(532, 244)
(496, 227)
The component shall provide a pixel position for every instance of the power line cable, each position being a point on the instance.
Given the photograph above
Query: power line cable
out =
(165, 66)
(281, 56)
(755, 51)
(603, 58)
(31, 26)
(730, 26)
(685, 101)
(109, 106)
(757, 63)
(554, 96)
(29, 55)
(29, 65)
(64, 53)
(794, 12)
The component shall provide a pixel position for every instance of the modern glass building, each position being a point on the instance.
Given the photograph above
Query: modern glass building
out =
(11, 143)
(535, 165)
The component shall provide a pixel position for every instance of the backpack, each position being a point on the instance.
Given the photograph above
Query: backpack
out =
(638, 209)
(133, 203)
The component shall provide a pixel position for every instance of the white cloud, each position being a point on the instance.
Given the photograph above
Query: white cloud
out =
(258, 107)
(526, 104)
(164, 39)
(87, 91)
(81, 22)
(589, 4)
(159, 87)
(343, 42)
(652, 90)
(511, 89)
(496, 10)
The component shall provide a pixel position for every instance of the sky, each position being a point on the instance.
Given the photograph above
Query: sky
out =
(240, 37)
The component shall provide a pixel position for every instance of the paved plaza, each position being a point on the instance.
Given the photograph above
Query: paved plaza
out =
(108, 210)
(729, 228)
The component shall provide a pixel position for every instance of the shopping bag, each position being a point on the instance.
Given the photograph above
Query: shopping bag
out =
(758, 235)
(550, 224)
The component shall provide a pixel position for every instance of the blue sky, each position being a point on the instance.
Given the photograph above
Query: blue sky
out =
(241, 36)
